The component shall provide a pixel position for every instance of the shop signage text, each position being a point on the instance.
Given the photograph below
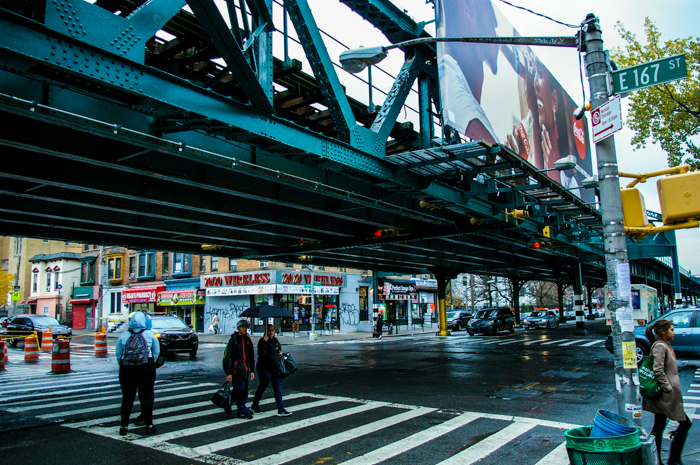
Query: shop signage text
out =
(237, 280)
(319, 279)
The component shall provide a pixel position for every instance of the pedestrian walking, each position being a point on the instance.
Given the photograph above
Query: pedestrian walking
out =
(136, 350)
(215, 323)
(269, 358)
(380, 325)
(295, 324)
(239, 359)
(670, 404)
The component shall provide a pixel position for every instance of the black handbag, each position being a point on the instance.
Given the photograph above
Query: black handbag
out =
(287, 366)
(222, 397)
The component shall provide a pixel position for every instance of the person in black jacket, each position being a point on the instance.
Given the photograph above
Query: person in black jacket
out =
(238, 366)
(269, 358)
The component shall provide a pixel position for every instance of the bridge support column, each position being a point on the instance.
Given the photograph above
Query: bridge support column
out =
(560, 301)
(442, 281)
(678, 293)
(578, 301)
(517, 285)
(590, 289)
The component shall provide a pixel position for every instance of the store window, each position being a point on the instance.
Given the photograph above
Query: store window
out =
(364, 304)
(146, 265)
(182, 264)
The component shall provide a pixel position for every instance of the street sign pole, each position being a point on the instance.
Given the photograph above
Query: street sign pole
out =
(616, 261)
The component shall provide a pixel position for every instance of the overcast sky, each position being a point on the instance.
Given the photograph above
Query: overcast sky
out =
(674, 20)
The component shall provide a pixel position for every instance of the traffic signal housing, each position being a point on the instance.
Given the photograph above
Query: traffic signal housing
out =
(382, 233)
(540, 245)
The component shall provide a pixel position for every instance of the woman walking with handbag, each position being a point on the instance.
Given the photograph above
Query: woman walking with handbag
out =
(269, 359)
(670, 404)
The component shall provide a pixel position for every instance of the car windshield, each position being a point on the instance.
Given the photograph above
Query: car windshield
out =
(170, 322)
(44, 321)
(451, 314)
(538, 314)
(487, 314)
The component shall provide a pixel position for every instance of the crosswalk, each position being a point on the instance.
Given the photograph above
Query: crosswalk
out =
(340, 429)
(466, 340)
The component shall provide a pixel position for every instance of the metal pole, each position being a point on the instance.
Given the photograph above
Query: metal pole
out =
(616, 262)
(578, 301)
(19, 262)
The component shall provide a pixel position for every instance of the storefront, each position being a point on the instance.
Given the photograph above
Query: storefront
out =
(397, 297)
(83, 305)
(142, 298)
(423, 309)
(331, 301)
(188, 304)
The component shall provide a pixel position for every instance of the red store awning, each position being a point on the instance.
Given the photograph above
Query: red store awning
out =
(81, 301)
(141, 294)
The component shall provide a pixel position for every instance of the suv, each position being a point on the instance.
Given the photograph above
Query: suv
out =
(25, 325)
(686, 326)
(174, 336)
(492, 321)
(458, 319)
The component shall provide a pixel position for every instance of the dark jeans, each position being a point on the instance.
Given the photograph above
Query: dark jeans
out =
(240, 393)
(266, 376)
(142, 379)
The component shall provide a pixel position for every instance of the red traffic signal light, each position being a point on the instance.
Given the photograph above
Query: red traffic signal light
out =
(541, 245)
(536, 245)
(386, 233)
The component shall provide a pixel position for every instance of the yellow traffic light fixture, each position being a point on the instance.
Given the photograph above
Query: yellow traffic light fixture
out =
(306, 258)
(679, 198)
(429, 206)
(517, 214)
(546, 232)
(210, 247)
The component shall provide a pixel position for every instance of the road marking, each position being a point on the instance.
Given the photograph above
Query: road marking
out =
(557, 341)
(491, 342)
(22, 380)
(691, 405)
(510, 342)
(62, 385)
(575, 341)
(332, 440)
(489, 445)
(556, 457)
(588, 344)
(72, 391)
(413, 441)
(82, 401)
(535, 342)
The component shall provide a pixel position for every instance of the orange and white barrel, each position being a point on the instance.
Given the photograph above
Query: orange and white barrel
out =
(31, 350)
(47, 341)
(2, 353)
(101, 344)
(60, 356)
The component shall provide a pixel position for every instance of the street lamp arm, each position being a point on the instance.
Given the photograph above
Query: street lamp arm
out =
(549, 41)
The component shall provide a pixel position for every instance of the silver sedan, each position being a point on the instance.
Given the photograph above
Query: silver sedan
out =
(541, 319)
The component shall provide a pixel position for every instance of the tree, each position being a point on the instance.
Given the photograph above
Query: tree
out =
(543, 293)
(667, 113)
(7, 283)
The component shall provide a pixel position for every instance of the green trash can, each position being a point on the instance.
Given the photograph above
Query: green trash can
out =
(618, 450)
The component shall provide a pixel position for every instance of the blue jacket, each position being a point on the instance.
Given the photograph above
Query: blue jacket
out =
(136, 324)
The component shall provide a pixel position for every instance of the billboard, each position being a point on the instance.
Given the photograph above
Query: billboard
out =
(504, 94)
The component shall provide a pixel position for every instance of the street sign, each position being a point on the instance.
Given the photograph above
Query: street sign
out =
(16, 297)
(59, 287)
(16, 288)
(606, 120)
(650, 74)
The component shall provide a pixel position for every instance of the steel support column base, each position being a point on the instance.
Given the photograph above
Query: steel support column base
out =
(444, 333)
(580, 332)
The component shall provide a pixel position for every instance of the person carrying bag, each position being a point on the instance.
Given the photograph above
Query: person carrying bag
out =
(239, 360)
(269, 359)
(670, 403)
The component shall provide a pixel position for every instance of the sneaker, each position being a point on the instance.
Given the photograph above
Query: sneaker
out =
(283, 413)
(123, 430)
(255, 410)
(150, 429)
(246, 414)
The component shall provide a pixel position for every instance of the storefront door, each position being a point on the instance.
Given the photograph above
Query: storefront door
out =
(79, 316)
(199, 319)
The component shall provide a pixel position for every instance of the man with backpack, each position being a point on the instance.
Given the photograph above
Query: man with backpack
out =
(239, 360)
(137, 349)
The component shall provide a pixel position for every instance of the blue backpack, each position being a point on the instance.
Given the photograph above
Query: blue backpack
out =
(136, 350)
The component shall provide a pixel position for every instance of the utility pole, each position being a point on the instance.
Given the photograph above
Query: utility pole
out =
(19, 262)
(616, 261)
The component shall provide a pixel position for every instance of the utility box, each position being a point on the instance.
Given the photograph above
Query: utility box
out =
(679, 196)
(633, 208)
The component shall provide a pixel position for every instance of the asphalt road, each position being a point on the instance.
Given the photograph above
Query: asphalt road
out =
(413, 399)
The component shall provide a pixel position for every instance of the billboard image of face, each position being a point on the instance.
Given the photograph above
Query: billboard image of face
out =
(504, 94)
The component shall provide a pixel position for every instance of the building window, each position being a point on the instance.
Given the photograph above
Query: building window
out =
(364, 304)
(214, 264)
(55, 281)
(132, 266)
(232, 265)
(264, 264)
(114, 268)
(289, 265)
(46, 310)
(182, 264)
(146, 266)
(48, 281)
(35, 283)
(18, 246)
(115, 301)
(87, 272)
(166, 264)
(202, 264)
(45, 241)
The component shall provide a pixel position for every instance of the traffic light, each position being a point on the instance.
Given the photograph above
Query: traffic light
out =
(382, 233)
(679, 197)
(541, 245)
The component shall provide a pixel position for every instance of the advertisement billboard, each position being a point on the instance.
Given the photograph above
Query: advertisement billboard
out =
(504, 94)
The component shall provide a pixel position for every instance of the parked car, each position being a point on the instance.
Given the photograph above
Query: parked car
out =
(26, 325)
(4, 321)
(541, 319)
(175, 336)
(686, 326)
(569, 315)
(492, 321)
(458, 319)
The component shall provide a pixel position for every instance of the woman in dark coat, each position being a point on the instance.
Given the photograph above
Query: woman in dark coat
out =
(269, 358)
(670, 404)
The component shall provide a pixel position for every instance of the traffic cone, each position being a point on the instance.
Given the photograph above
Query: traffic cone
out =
(31, 351)
(2, 354)
(101, 344)
(47, 340)
(60, 358)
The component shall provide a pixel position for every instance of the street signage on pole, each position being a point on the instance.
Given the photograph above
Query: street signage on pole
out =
(606, 120)
(16, 296)
(650, 74)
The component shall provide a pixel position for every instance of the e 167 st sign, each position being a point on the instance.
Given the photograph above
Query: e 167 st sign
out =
(650, 74)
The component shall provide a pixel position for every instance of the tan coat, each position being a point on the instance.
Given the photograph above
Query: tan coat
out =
(666, 372)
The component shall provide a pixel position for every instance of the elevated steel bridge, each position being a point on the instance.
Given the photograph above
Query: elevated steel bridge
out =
(112, 134)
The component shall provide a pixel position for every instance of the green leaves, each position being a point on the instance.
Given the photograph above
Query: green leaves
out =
(669, 113)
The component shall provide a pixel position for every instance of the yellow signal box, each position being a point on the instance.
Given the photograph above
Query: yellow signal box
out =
(633, 208)
(679, 197)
